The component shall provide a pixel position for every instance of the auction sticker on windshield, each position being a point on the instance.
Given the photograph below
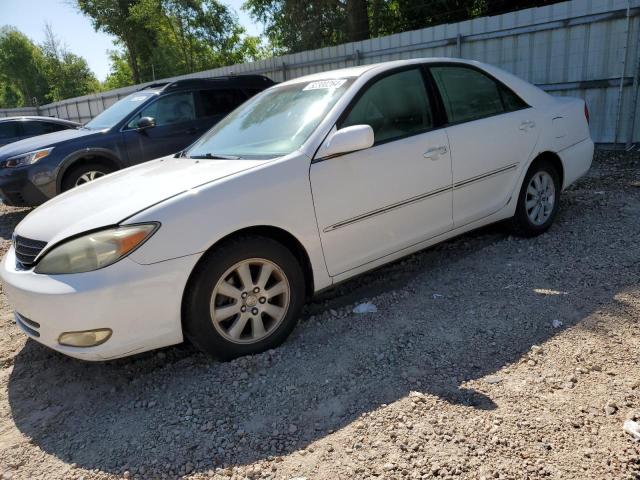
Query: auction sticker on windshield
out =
(326, 84)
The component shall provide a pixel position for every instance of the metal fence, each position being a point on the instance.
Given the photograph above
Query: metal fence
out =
(584, 48)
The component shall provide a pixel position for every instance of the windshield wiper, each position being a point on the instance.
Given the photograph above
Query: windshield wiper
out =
(215, 156)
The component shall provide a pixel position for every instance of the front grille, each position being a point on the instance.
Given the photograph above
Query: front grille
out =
(27, 250)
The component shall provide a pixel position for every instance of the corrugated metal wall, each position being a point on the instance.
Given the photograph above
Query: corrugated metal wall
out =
(584, 48)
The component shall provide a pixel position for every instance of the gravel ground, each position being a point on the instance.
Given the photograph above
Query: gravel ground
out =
(489, 357)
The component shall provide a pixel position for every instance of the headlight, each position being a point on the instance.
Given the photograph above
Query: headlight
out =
(27, 158)
(94, 250)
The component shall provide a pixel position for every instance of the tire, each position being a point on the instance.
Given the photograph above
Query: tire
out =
(234, 332)
(74, 176)
(525, 222)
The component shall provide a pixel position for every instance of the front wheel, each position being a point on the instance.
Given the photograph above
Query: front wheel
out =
(84, 173)
(538, 200)
(244, 298)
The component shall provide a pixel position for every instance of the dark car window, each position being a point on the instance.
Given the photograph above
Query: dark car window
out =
(395, 106)
(220, 101)
(8, 130)
(511, 101)
(467, 94)
(174, 108)
(34, 127)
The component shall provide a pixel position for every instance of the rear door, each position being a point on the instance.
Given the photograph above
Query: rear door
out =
(176, 127)
(491, 131)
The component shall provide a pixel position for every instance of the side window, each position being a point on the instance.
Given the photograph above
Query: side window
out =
(467, 94)
(220, 102)
(395, 106)
(40, 128)
(55, 127)
(8, 130)
(174, 108)
(511, 101)
(32, 128)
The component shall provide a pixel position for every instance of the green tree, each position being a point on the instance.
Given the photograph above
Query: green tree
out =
(294, 25)
(165, 38)
(21, 68)
(67, 75)
(10, 97)
(120, 74)
(114, 17)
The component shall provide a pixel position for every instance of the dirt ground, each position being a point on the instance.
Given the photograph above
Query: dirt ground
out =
(488, 357)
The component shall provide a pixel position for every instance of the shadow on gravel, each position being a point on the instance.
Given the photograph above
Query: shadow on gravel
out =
(457, 312)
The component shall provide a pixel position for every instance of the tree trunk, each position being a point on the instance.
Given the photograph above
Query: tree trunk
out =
(133, 61)
(357, 20)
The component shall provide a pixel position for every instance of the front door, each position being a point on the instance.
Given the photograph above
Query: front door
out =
(176, 128)
(377, 201)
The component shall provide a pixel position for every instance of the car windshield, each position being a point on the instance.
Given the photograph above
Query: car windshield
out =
(274, 123)
(118, 111)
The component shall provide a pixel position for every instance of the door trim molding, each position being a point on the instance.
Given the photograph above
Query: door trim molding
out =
(417, 198)
(386, 209)
(477, 178)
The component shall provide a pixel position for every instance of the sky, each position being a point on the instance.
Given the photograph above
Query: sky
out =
(75, 30)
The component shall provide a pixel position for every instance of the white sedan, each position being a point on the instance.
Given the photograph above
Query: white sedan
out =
(307, 184)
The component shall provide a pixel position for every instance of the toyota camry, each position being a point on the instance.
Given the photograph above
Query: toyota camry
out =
(307, 184)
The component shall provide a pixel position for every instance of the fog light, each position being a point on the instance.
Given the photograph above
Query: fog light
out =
(88, 338)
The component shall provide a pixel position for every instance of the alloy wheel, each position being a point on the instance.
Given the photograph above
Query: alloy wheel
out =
(540, 198)
(89, 177)
(250, 301)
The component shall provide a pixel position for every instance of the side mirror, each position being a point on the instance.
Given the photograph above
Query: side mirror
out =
(349, 139)
(145, 122)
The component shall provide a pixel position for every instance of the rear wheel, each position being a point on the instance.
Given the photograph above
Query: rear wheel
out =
(244, 298)
(84, 173)
(538, 200)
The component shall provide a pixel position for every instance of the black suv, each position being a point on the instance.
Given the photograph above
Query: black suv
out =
(158, 120)
(13, 129)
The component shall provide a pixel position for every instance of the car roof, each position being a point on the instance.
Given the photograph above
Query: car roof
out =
(351, 72)
(238, 81)
(24, 118)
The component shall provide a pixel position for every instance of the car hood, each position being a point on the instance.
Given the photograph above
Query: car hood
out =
(43, 141)
(112, 199)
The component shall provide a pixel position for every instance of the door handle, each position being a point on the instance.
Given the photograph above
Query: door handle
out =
(434, 152)
(527, 124)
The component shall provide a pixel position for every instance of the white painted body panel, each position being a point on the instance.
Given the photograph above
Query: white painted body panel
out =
(360, 201)
(113, 198)
(198, 203)
(140, 303)
(496, 144)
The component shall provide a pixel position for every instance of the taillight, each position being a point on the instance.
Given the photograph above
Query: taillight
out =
(586, 112)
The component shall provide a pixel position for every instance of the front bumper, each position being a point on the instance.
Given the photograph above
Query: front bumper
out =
(141, 304)
(18, 186)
